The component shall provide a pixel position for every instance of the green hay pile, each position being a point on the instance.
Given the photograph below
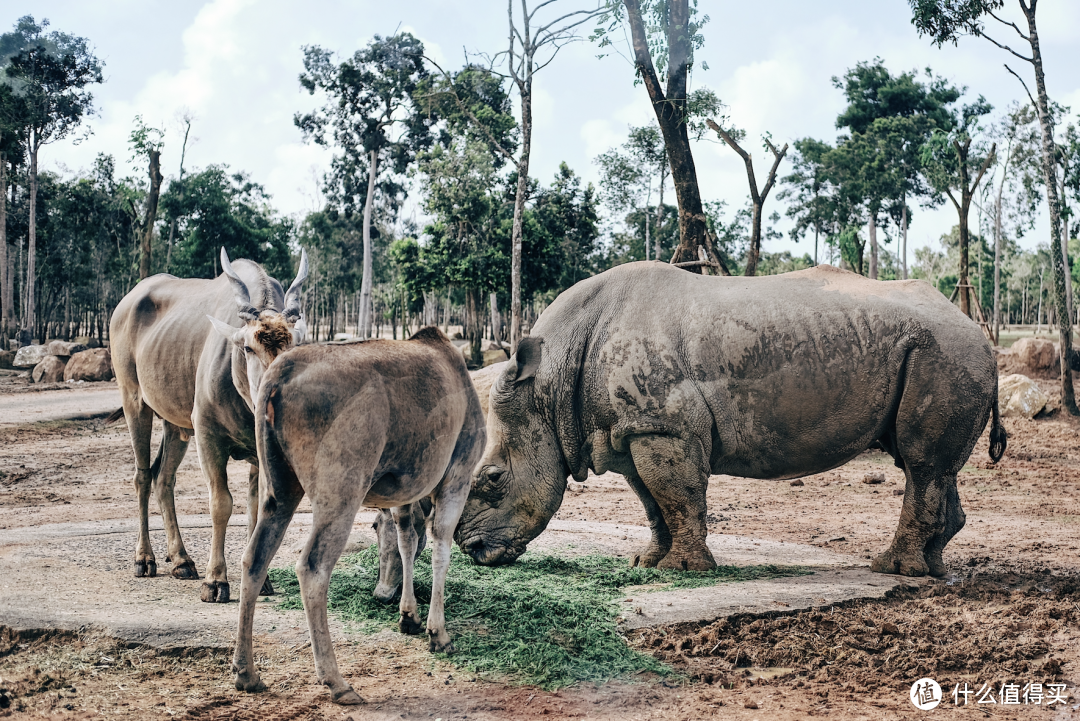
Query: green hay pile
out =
(544, 620)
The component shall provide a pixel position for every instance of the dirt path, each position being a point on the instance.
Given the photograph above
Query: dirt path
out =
(56, 402)
(1008, 611)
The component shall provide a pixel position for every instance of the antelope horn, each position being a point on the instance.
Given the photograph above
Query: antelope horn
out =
(243, 299)
(292, 297)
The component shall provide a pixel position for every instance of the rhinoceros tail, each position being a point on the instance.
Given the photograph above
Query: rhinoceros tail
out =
(998, 437)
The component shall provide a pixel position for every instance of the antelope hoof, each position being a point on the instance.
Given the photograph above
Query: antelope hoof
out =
(186, 571)
(409, 625)
(249, 682)
(215, 592)
(348, 697)
(267, 588)
(145, 568)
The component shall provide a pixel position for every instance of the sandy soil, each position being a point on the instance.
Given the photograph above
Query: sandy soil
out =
(1008, 610)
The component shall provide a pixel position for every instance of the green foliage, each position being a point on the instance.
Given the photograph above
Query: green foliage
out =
(145, 140)
(656, 15)
(221, 209)
(545, 620)
(945, 21)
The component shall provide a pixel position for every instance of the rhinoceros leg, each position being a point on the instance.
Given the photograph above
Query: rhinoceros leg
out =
(213, 459)
(954, 521)
(922, 518)
(174, 444)
(660, 543)
(674, 472)
(140, 420)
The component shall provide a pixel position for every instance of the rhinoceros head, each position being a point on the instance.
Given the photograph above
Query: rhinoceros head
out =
(519, 483)
(266, 333)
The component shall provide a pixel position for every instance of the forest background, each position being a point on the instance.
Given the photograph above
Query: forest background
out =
(215, 94)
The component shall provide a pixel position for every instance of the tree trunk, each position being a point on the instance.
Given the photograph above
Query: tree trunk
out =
(31, 248)
(1068, 398)
(670, 110)
(660, 211)
(364, 316)
(903, 233)
(873, 247)
(474, 326)
(151, 214)
(7, 315)
(965, 300)
(754, 252)
(519, 213)
(496, 326)
(648, 239)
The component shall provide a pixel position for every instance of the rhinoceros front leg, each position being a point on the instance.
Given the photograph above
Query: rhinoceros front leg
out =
(660, 543)
(674, 473)
(923, 529)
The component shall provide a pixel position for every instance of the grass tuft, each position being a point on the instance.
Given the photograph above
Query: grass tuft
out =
(545, 620)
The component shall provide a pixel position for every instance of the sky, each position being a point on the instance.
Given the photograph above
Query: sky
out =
(233, 64)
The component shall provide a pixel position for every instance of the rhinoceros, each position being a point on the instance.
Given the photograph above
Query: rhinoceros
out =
(667, 377)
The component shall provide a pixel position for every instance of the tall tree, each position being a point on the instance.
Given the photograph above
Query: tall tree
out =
(897, 114)
(757, 196)
(51, 72)
(371, 117)
(629, 175)
(146, 143)
(806, 188)
(12, 119)
(955, 167)
(946, 21)
(664, 35)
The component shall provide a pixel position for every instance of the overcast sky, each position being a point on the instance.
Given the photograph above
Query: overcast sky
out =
(234, 64)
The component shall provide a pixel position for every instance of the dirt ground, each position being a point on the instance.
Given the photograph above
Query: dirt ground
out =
(1007, 612)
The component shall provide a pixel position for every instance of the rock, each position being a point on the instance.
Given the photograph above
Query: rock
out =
(29, 356)
(483, 380)
(798, 482)
(1038, 354)
(49, 370)
(90, 365)
(63, 349)
(1020, 397)
(874, 478)
(7, 358)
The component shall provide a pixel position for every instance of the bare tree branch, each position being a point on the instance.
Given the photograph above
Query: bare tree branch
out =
(1036, 107)
(985, 165)
(742, 154)
(1010, 24)
(779, 155)
(982, 34)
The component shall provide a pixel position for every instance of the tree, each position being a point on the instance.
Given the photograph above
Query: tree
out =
(664, 35)
(806, 188)
(757, 196)
(370, 116)
(894, 115)
(50, 73)
(946, 21)
(146, 142)
(12, 121)
(627, 179)
(949, 162)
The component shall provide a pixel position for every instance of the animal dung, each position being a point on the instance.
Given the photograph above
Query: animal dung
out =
(874, 478)
(798, 482)
(576, 487)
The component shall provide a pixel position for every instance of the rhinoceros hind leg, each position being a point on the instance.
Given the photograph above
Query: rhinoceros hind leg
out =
(660, 543)
(954, 521)
(185, 571)
(674, 473)
(214, 592)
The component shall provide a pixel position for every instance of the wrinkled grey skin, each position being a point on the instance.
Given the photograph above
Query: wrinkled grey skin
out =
(391, 570)
(383, 424)
(667, 377)
(170, 361)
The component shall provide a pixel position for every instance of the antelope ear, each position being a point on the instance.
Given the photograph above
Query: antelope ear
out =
(300, 331)
(527, 358)
(231, 332)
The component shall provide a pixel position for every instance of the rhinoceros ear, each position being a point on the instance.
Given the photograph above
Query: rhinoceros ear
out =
(527, 358)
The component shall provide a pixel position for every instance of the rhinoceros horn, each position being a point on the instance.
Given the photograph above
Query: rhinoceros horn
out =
(244, 309)
(292, 296)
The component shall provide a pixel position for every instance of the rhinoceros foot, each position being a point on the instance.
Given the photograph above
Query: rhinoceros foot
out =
(649, 557)
(903, 564)
(185, 571)
(214, 592)
(146, 568)
(698, 561)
